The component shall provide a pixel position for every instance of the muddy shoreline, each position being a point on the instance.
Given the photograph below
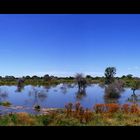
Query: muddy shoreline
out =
(18, 109)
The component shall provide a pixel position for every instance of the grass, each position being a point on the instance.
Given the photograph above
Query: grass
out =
(126, 116)
(7, 104)
(115, 119)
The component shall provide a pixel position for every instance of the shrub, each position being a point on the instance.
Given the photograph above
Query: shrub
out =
(81, 114)
(7, 104)
(46, 120)
(134, 108)
(112, 108)
(99, 108)
(77, 109)
(113, 90)
(67, 122)
(24, 119)
(135, 85)
(106, 108)
(69, 109)
(88, 115)
(126, 108)
(13, 118)
(78, 112)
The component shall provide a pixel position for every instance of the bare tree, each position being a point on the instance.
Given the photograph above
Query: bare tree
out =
(81, 81)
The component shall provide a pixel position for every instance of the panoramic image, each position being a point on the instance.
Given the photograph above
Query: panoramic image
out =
(69, 70)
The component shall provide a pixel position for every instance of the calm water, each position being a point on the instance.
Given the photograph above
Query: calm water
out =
(56, 96)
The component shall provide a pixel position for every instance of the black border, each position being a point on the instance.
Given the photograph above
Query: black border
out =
(70, 132)
(69, 6)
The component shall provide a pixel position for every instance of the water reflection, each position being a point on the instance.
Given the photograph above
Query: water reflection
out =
(3, 96)
(38, 96)
(20, 85)
(47, 88)
(64, 88)
(134, 98)
(71, 85)
(102, 85)
(109, 101)
(55, 98)
(20, 88)
(80, 94)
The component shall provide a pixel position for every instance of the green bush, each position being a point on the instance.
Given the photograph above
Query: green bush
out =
(7, 104)
(46, 120)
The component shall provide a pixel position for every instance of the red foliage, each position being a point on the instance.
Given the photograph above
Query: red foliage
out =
(134, 108)
(99, 108)
(106, 108)
(126, 108)
(85, 115)
(69, 109)
(112, 108)
(79, 112)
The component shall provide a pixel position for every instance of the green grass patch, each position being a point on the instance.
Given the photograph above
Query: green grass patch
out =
(7, 104)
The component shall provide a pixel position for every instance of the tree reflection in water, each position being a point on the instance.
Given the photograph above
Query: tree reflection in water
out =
(109, 101)
(20, 89)
(101, 85)
(20, 85)
(71, 85)
(3, 96)
(38, 96)
(81, 94)
(64, 88)
(47, 88)
(134, 98)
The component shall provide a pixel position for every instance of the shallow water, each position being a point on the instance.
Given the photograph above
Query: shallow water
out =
(55, 97)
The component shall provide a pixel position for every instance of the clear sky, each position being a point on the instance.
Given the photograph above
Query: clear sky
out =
(66, 44)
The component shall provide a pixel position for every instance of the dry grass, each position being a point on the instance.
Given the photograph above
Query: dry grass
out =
(24, 118)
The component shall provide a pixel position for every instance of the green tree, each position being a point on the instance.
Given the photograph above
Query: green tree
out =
(27, 77)
(109, 74)
(46, 77)
(129, 76)
(89, 77)
(135, 85)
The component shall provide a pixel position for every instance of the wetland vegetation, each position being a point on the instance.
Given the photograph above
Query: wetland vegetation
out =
(79, 100)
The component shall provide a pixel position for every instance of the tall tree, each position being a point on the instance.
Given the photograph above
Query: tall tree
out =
(135, 85)
(109, 74)
(46, 77)
(129, 76)
(81, 81)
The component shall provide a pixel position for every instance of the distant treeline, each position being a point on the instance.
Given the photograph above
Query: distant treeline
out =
(49, 79)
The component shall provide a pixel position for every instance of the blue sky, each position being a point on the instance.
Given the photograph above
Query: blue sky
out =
(65, 44)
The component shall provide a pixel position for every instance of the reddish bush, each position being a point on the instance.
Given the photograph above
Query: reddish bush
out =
(69, 109)
(77, 109)
(81, 114)
(126, 108)
(78, 112)
(106, 108)
(87, 115)
(134, 108)
(112, 108)
(99, 108)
